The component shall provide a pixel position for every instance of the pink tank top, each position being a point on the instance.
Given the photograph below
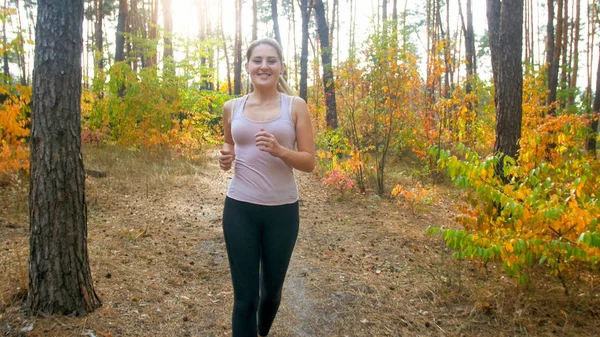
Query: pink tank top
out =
(260, 178)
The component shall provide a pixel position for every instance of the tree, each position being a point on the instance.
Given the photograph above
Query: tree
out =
(591, 141)
(98, 34)
(553, 51)
(254, 20)
(60, 280)
(168, 37)
(328, 80)
(237, 53)
(275, 20)
(304, 50)
(505, 26)
(121, 30)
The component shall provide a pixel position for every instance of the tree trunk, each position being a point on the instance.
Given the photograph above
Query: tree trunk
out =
(120, 38)
(575, 66)
(556, 53)
(5, 54)
(304, 50)
(275, 21)
(21, 50)
(225, 51)
(60, 280)
(237, 54)
(98, 34)
(254, 20)
(151, 50)
(564, 48)
(505, 25)
(328, 80)
(469, 39)
(168, 38)
(591, 141)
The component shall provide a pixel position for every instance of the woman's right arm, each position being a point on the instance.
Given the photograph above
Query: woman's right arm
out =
(227, 155)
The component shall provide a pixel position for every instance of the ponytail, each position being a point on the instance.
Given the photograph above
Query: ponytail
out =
(284, 87)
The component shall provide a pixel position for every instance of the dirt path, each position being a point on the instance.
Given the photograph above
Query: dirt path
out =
(360, 268)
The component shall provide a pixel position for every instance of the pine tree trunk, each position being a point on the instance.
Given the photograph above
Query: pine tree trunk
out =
(121, 30)
(591, 141)
(556, 54)
(237, 54)
(275, 18)
(98, 34)
(225, 51)
(576, 38)
(60, 280)
(151, 51)
(6, 67)
(328, 80)
(254, 20)
(304, 51)
(505, 25)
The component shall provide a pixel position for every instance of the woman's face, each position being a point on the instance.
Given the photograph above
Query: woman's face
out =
(264, 66)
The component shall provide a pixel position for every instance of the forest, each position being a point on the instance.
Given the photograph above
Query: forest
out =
(456, 191)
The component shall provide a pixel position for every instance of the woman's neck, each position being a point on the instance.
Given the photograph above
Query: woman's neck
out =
(264, 95)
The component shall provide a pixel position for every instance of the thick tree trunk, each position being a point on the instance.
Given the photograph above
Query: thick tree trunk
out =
(60, 280)
(275, 18)
(121, 30)
(237, 54)
(505, 24)
(304, 50)
(328, 80)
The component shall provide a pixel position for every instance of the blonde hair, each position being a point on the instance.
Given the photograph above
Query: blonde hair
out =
(282, 85)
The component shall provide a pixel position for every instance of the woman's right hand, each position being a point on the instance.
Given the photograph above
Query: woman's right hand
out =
(226, 159)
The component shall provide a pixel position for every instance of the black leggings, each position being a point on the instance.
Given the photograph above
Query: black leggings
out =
(260, 240)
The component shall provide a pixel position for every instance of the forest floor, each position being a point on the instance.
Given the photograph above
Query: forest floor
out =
(362, 266)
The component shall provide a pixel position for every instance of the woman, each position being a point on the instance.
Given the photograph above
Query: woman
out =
(267, 133)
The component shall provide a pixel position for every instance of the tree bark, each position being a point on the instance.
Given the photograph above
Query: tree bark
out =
(6, 67)
(237, 54)
(254, 20)
(98, 34)
(505, 26)
(275, 18)
(225, 51)
(304, 50)
(591, 141)
(556, 53)
(328, 80)
(60, 280)
(151, 51)
(575, 66)
(121, 30)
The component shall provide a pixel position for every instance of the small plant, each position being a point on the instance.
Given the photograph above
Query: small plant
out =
(409, 198)
(338, 180)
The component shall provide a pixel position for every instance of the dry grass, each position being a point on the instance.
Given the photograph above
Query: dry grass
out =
(360, 268)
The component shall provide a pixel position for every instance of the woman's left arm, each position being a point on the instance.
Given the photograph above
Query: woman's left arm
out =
(303, 158)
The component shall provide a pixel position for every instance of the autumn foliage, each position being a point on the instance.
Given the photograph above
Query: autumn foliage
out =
(14, 128)
(548, 211)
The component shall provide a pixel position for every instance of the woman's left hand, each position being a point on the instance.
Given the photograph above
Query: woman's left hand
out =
(268, 143)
